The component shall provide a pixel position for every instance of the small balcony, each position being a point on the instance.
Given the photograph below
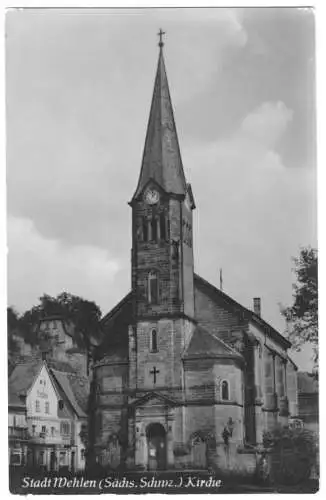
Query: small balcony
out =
(46, 438)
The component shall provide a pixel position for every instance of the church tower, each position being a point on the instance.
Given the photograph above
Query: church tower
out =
(162, 251)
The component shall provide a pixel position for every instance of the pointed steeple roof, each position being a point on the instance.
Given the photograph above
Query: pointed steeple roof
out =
(161, 158)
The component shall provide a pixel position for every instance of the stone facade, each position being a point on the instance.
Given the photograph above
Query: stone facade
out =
(185, 376)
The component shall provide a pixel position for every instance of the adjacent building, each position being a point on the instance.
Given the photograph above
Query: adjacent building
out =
(47, 412)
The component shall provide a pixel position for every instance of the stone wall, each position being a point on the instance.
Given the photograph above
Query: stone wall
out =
(216, 317)
(111, 404)
(171, 340)
(229, 460)
(169, 258)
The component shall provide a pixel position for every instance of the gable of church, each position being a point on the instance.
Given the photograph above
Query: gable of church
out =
(153, 398)
(226, 319)
(204, 344)
(115, 331)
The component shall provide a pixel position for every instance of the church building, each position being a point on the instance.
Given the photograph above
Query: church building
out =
(185, 377)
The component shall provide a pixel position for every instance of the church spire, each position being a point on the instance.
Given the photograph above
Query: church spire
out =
(161, 158)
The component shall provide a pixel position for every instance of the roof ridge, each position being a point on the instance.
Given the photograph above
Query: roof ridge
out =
(218, 339)
(247, 311)
(199, 334)
(75, 404)
(117, 306)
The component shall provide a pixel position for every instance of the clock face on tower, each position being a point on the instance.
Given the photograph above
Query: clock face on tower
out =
(151, 196)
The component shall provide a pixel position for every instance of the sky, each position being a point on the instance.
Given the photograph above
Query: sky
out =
(78, 90)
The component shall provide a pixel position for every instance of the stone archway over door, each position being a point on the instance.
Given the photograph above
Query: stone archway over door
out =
(156, 439)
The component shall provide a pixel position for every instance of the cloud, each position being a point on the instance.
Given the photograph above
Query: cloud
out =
(37, 265)
(264, 211)
(267, 124)
(200, 45)
(78, 91)
(77, 110)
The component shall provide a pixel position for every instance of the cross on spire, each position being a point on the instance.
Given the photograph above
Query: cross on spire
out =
(154, 372)
(161, 160)
(160, 34)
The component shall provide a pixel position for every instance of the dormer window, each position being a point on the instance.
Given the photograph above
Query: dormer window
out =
(225, 392)
(60, 404)
(154, 340)
(152, 288)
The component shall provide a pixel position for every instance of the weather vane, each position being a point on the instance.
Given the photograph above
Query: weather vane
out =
(160, 34)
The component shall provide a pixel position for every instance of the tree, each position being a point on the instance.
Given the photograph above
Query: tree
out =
(293, 453)
(83, 314)
(303, 314)
(12, 326)
(12, 318)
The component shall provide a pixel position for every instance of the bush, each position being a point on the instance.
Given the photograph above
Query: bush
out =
(292, 454)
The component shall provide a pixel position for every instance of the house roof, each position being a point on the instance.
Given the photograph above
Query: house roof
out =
(21, 380)
(115, 330)
(292, 362)
(62, 366)
(219, 295)
(125, 302)
(204, 344)
(76, 390)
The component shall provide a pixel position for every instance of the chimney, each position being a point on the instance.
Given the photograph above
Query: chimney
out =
(257, 306)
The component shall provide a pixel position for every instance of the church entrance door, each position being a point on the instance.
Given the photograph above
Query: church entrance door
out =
(156, 439)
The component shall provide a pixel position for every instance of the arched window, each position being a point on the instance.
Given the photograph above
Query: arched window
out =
(145, 229)
(154, 228)
(225, 393)
(152, 288)
(162, 226)
(154, 340)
